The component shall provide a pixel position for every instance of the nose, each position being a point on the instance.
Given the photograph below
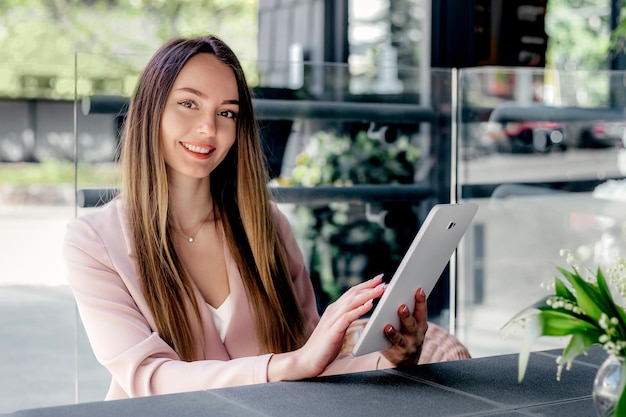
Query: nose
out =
(207, 126)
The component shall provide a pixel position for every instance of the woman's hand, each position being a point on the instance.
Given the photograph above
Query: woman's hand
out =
(326, 341)
(406, 342)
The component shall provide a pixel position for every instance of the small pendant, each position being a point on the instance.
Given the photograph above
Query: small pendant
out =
(190, 239)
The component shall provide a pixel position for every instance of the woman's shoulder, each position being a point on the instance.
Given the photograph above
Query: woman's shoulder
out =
(108, 215)
(105, 223)
(280, 217)
(285, 220)
(102, 230)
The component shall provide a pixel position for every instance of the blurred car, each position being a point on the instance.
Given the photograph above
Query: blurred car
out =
(527, 137)
(602, 135)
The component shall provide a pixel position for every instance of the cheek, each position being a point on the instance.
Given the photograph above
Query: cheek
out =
(167, 137)
(164, 142)
(171, 131)
(228, 130)
(163, 127)
(167, 125)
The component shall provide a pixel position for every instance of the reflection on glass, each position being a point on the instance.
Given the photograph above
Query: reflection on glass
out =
(542, 152)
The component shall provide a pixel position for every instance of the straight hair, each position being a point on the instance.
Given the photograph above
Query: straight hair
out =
(241, 201)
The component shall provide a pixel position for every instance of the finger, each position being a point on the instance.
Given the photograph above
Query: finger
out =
(377, 279)
(352, 304)
(407, 321)
(359, 294)
(421, 313)
(344, 317)
(370, 283)
(394, 336)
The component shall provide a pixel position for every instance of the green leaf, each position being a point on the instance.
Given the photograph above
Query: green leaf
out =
(559, 323)
(579, 343)
(539, 305)
(616, 310)
(562, 291)
(606, 301)
(533, 331)
(588, 297)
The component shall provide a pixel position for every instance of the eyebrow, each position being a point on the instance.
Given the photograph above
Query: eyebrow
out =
(203, 96)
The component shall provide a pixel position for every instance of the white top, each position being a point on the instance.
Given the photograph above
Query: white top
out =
(222, 316)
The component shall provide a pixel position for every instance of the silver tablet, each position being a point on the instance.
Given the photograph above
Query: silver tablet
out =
(422, 265)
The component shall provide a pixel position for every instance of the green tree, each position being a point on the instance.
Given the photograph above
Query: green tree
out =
(579, 34)
(39, 39)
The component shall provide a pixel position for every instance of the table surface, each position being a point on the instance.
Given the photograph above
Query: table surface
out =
(472, 387)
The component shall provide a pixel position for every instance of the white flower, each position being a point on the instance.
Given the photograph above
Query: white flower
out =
(604, 321)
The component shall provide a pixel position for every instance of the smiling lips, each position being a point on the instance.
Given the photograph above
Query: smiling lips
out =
(198, 151)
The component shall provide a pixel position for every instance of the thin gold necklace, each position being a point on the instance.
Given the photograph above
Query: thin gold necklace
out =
(192, 238)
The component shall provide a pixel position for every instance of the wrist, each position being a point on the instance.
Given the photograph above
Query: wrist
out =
(384, 363)
(285, 367)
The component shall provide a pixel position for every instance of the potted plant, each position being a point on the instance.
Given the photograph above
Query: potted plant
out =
(588, 306)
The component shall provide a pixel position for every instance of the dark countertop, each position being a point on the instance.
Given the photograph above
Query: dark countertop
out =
(473, 387)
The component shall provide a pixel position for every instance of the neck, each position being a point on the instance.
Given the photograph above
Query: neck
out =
(190, 205)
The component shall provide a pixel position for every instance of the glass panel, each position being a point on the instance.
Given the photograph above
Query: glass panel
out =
(102, 98)
(37, 318)
(542, 153)
(345, 141)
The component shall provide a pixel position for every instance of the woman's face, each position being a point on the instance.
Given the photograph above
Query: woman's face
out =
(199, 126)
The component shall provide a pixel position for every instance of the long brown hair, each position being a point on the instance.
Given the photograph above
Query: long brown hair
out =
(241, 198)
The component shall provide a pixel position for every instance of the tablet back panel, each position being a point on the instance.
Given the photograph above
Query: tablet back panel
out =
(422, 265)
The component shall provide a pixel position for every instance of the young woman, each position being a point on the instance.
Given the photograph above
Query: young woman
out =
(191, 278)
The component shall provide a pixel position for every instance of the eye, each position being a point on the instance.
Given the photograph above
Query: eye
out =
(228, 114)
(188, 104)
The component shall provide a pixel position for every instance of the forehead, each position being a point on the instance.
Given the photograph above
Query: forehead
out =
(205, 73)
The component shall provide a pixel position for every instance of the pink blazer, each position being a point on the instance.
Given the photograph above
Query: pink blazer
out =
(102, 275)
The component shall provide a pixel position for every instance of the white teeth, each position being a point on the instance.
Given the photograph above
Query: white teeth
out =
(196, 149)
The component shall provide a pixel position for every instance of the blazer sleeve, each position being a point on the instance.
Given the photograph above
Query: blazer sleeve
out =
(121, 331)
(344, 363)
